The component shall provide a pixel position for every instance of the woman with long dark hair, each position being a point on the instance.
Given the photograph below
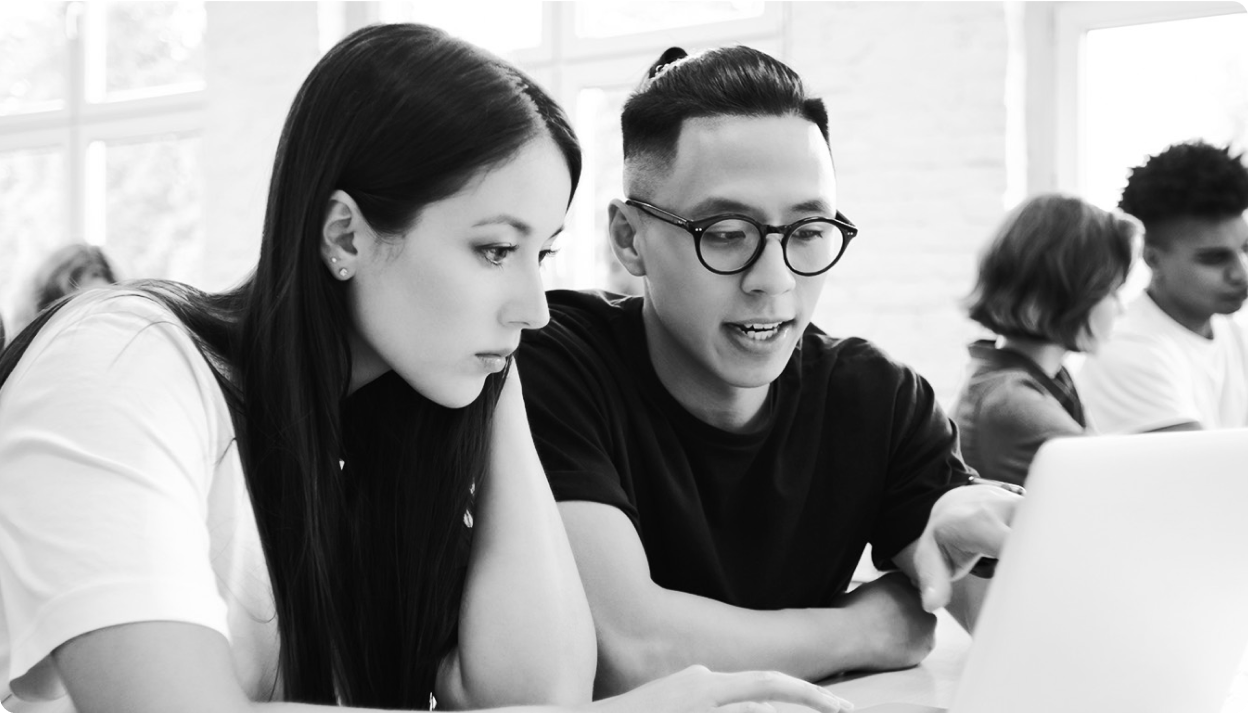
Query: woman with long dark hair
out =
(214, 502)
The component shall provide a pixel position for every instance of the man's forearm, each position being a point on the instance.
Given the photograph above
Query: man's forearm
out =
(678, 630)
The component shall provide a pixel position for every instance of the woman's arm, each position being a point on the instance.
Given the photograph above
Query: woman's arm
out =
(156, 667)
(525, 632)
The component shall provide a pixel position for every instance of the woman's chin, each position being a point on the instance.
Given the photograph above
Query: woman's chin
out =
(454, 396)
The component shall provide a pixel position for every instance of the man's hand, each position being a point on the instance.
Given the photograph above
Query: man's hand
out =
(965, 524)
(899, 634)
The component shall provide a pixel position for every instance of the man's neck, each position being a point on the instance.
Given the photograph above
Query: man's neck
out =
(701, 393)
(1047, 355)
(1200, 324)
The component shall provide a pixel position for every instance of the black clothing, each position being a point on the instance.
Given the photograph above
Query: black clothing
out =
(855, 450)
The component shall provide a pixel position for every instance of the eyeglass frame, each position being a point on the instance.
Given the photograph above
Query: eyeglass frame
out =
(697, 228)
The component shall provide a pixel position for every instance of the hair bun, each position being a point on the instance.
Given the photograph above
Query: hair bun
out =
(669, 57)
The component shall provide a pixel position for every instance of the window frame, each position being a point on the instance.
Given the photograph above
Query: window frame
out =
(1055, 40)
(564, 64)
(79, 123)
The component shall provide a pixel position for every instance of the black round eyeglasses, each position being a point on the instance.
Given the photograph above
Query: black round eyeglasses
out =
(731, 243)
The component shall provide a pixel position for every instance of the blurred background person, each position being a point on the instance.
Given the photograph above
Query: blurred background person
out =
(65, 271)
(1048, 285)
(1178, 361)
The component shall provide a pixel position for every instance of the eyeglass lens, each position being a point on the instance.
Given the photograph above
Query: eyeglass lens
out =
(729, 244)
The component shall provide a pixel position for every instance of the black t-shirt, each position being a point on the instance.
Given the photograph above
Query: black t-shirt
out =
(855, 450)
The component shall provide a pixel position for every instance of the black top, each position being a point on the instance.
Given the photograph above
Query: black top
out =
(855, 450)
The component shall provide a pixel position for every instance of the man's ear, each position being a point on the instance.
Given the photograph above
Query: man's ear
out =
(344, 226)
(1150, 256)
(623, 226)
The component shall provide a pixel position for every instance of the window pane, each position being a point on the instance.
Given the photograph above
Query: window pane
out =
(153, 46)
(33, 221)
(627, 17)
(1148, 86)
(585, 259)
(153, 203)
(511, 26)
(33, 63)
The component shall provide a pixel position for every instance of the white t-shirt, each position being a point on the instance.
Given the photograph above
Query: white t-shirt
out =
(1154, 373)
(122, 498)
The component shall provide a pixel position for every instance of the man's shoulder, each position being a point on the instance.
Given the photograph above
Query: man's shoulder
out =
(583, 322)
(585, 314)
(592, 335)
(856, 370)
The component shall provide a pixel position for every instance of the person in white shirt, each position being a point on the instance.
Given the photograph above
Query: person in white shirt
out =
(1177, 360)
(195, 514)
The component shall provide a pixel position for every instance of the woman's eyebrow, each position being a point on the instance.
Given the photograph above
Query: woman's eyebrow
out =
(522, 227)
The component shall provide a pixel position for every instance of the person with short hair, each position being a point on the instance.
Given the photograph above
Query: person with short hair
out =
(1047, 285)
(1177, 360)
(720, 462)
(64, 272)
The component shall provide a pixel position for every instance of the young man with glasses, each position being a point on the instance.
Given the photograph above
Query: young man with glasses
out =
(720, 462)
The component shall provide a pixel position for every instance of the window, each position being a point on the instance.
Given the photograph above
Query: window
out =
(589, 56)
(1134, 78)
(101, 110)
(1111, 83)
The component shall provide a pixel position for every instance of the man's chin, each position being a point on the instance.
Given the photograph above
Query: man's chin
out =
(1231, 307)
(754, 376)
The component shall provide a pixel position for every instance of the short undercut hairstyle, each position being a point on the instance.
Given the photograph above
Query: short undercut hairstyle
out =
(1187, 180)
(1051, 261)
(729, 81)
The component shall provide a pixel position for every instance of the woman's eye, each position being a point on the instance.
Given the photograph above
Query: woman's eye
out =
(496, 254)
(541, 257)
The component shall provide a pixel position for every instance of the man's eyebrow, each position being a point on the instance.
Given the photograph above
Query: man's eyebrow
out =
(519, 225)
(714, 205)
(817, 205)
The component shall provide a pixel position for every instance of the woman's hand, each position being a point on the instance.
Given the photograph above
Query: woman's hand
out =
(698, 690)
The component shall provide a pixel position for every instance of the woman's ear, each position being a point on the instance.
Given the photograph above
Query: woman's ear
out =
(622, 225)
(343, 227)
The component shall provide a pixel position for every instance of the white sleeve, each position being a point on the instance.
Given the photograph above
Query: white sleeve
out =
(107, 439)
(1135, 385)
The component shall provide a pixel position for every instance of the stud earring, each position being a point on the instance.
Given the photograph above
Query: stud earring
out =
(342, 272)
(333, 259)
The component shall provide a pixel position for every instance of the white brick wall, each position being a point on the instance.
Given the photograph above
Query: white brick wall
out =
(916, 99)
(916, 96)
(258, 54)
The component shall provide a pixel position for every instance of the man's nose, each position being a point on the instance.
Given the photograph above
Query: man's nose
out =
(769, 274)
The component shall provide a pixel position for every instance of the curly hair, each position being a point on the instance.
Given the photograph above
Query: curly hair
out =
(1192, 179)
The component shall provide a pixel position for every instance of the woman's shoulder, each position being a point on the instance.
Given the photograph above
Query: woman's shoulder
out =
(112, 338)
(111, 315)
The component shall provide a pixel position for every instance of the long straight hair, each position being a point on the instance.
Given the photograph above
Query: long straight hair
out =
(363, 504)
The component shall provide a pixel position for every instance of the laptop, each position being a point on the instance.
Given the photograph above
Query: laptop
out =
(1124, 583)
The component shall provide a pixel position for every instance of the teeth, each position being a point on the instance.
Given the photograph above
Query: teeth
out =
(760, 332)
